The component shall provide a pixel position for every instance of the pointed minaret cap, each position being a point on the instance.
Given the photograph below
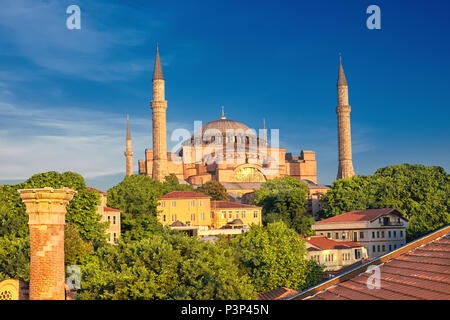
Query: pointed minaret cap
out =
(223, 115)
(128, 128)
(342, 81)
(157, 71)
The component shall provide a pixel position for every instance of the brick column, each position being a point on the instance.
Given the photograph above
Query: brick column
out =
(46, 209)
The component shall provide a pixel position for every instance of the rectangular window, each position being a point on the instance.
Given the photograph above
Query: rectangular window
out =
(378, 248)
(212, 214)
(361, 235)
(202, 216)
(355, 236)
(237, 215)
(243, 214)
(164, 218)
(389, 234)
(378, 234)
(383, 248)
(200, 203)
(395, 234)
(373, 234)
(192, 217)
(224, 214)
(343, 235)
(390, 247)
(401, 234)
(337, 235)
(255, 214)
(374, 248)
(174, 204)
(395, 246)
(328, 235)
(174, 217)
(382, 234)
(163, 204)
(192, 203)
(115, 237)
(114, 219)
(109, 218)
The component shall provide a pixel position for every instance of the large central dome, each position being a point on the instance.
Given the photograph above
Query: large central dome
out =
(223, 125)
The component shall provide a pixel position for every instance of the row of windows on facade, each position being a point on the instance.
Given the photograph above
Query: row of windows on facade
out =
(345, 256)
(223, 214)
(382, 248)
(375, 235)
(174, 203)
(113, 220)
(113, 235)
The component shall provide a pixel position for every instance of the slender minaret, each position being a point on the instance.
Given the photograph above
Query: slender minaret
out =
(265, 133)
(128, 153)
(159, 106)
(343, 109)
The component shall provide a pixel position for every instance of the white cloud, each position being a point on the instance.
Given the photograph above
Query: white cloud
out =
(37, 31)
(92, 143)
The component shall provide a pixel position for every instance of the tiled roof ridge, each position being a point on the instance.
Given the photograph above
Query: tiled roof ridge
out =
(183, 194)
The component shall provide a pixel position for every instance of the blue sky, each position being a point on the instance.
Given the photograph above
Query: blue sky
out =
(64, 94)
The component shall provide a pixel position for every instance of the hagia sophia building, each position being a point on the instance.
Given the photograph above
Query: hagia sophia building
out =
(228, 151)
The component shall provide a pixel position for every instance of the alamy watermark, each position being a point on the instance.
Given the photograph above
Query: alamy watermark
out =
(374, 280)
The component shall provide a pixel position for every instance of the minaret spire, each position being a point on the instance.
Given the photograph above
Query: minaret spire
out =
(159, 106)
(128, 153)
(345, 169)
(157, 71)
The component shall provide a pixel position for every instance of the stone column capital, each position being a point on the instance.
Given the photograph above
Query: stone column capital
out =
(46, 205)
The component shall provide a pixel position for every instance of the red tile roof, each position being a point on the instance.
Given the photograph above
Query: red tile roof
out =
(93, 189)
(111, 209)
(231, 205)
(360, 215)
(183, 195)
(326, 244)
(418, 270)
(276, 294)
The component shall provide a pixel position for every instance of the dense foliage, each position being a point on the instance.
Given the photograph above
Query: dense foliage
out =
(214, 189)
(166, 265)
(82, 222)
(137, 197)
(274, 256)
(284, 199)
(420, 192)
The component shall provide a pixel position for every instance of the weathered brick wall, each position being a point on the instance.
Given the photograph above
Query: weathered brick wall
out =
(46, 209)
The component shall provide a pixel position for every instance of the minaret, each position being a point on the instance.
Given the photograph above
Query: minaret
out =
(128, 153)
(159, 106)
(343, 109)
(265, 133)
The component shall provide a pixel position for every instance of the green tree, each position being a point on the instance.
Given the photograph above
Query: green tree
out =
(420, 192)
(214, 189)
(168, 265)
(274, 256)
(74, 246)
(137, 197)
(81, 217)
(284, 199)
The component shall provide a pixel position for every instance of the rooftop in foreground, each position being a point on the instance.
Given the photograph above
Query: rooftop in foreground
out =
(420, 270)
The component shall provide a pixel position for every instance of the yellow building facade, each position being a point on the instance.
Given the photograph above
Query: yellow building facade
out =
(192, 209)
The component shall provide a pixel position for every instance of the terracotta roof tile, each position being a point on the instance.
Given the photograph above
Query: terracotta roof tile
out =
(325, 243)
(111, 209)
(183, 195)
(276, 294)
(93, 189)
(359, 215)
